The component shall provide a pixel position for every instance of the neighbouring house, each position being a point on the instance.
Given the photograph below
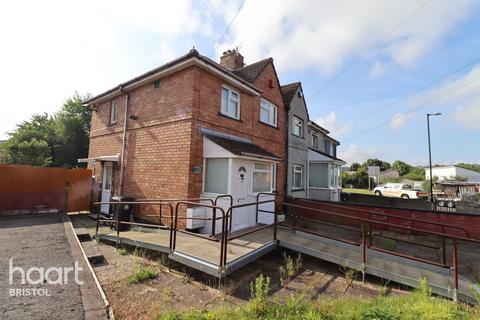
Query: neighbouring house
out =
(192, 128)
(444, 173)
(313, 169)
(324, 168)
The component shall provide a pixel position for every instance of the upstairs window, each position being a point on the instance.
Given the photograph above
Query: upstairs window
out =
(113, 112)
(297, 126)
(314, 140)
(230, 103)
(297, 178)
(268, 113)
(329, 147)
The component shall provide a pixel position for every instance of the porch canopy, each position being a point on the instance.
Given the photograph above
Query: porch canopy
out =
(234, 148)
(113, 158)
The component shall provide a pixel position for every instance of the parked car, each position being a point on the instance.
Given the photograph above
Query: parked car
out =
(398, 190)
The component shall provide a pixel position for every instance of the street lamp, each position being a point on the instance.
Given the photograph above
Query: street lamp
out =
(430, 151)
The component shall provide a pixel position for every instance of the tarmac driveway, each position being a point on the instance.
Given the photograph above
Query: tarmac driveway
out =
(41, 242)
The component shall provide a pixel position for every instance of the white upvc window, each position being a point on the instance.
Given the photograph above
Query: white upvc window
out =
(297, 177)
(263, 177)
(297, 126)
(314, 140)
(113, 112)
(230, 103)
(216, 175)
(318, 175)
(268, 112)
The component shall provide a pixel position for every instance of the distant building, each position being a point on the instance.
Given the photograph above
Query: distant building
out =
(449, 172)
(391, 173)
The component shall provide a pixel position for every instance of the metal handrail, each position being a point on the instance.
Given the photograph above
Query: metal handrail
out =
(389, 215)
(258, 199)
(214, 212)
(365, 222)
(229, 215)
(174, 229)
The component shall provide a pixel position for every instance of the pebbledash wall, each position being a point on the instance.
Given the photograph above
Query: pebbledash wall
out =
(165, 142)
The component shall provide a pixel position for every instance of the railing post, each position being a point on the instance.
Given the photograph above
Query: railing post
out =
(444, 253)
(160, 215)
(117, 209)
(214, 220)
(171, 225)
(222, 240)
(174, 239)
(455, 270)
(275, 221)
(370, 236)
(98, 220)
(364, 255)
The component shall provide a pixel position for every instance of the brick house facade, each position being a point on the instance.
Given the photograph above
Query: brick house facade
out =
(171, 111)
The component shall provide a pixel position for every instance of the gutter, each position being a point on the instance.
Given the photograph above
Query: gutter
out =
(287, 119)
(124, 142)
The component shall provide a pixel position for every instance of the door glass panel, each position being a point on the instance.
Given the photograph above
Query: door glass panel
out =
(261, 181)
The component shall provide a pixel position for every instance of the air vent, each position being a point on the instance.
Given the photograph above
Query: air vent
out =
(156, 84)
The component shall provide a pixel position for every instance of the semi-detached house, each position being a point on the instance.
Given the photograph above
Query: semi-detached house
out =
(192, 128)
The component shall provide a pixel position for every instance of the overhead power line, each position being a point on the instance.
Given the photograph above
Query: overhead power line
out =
(227, 29)
(452, 90)
(410, 94)
(378, 44)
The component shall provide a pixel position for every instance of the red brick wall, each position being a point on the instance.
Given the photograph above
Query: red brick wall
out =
(165, 142)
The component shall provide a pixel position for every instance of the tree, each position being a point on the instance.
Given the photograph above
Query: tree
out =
(50, 141)
(402, 167)
(355, 166)
(376, 162)
(72, 125)
(469, 166)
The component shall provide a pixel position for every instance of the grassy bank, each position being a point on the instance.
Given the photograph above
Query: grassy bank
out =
(361, 191)
(417, 305)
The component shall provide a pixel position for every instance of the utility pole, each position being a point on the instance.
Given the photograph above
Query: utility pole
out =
(430, 152)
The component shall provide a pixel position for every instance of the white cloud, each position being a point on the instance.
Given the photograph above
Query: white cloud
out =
(57, 47)
(378, 69)
(301, 34)
(354, 153)
(399, 120)
(329, 122)
(468, 114)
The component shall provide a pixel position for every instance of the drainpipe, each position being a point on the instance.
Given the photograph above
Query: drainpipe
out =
(124, 142)
(287, 126)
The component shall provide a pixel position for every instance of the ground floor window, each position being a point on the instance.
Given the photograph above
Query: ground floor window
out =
(297, 177)
(216, 175)
(263, 177)
(318, 175)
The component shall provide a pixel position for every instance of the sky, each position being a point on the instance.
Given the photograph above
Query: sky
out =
(370, 70)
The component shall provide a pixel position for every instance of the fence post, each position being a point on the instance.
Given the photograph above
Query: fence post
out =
(444, 253)
(214, 220)
(455, 270)
(117, 209)
(275, 222)
(364, 256)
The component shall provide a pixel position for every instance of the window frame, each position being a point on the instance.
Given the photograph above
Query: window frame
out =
(113, 112)
(229, 98)
(314, 135)
(275, 111)
(272, 172)
(300, 120)
(327, 187)
(294, 171)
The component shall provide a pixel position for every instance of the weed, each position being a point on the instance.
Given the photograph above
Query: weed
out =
(423, 288)
(186, 279)
(476, 292)
(290, 267)
(349, 273)
(142, 272)
(259, 291)
(380, 311)
(122, 251)
(137, 252)
(164, 260)
(167, 293)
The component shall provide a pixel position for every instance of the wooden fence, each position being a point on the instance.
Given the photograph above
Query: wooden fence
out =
(30, 188)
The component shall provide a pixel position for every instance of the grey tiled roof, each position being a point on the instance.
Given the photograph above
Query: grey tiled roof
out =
(250, 72)
(288, 92)
(241, 148)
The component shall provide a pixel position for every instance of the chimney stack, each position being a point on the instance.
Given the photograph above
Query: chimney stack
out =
(232, 60)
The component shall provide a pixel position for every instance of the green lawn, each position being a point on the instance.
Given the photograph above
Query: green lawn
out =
(361, 191)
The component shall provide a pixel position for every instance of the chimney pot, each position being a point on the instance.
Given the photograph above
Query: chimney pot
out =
(232, 60)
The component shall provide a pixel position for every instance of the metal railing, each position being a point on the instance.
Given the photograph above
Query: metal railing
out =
(365, 228)
(214, 213)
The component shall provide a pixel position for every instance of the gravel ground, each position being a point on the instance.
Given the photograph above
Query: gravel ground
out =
(37, 241)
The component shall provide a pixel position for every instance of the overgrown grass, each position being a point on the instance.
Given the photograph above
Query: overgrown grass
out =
(122, 251)
(142, 272)
(289, 268)
(417, 305)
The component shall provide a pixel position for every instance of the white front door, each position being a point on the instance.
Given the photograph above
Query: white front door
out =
(241, 173)
(107, 178)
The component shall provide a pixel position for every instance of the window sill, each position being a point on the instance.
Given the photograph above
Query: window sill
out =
(268, 124)
(111, 124)
(296, 136)
(229, 117)
(297, 190)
